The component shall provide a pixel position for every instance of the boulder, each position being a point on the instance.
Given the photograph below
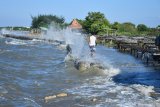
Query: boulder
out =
(85, 66)
(48, 98)
(62, 95)
(81, 65)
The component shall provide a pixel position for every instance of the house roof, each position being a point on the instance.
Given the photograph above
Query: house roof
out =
(75, 25)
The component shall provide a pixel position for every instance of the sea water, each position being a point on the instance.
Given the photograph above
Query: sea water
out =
(33, 69)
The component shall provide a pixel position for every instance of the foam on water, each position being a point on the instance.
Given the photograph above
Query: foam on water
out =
(111, 71)
(146, 90)
(111, 94)
(3, 51)
(16, 42)
(12, 41)
(3, 90)
(37, 40)
(26, 102)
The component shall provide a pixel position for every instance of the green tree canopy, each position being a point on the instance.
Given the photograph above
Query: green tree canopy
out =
(142, 28)
(45, 20)
(127, 27)
(115, 25)
(95, 23)
(80, 21)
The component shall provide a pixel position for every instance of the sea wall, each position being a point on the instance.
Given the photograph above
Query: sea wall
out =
(143, 48)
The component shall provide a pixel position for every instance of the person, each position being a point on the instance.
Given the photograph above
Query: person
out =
(92, 44)
(69, 49)
(157, 41)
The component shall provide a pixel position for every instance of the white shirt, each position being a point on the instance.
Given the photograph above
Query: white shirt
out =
(92, 40)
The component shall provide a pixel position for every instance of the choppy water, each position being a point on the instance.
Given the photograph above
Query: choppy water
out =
(32, 70)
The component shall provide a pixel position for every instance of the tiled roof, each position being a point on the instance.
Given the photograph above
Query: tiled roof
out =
(75, 24)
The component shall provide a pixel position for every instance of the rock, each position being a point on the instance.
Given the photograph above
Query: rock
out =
(48, 98)
(88, 66)
(97, 65)
(83, 65)
(62, 95)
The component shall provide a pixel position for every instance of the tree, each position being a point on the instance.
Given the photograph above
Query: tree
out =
(127, 27)
(46, 20)
(142, 28)
(95, 23)
(80, 21)
(115, 25)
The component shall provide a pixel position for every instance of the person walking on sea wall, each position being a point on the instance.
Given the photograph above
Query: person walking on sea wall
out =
(92, 44)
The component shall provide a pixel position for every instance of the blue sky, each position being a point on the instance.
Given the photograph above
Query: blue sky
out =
(18, 12)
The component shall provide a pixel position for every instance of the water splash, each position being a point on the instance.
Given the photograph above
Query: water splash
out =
(76, 40)
(79, 45)
(16, 42)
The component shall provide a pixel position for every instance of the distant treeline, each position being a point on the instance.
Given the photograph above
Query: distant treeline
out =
(94, 23)
(47, 20)
(97, 23)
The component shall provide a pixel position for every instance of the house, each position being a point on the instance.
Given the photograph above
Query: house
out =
(75, 26)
